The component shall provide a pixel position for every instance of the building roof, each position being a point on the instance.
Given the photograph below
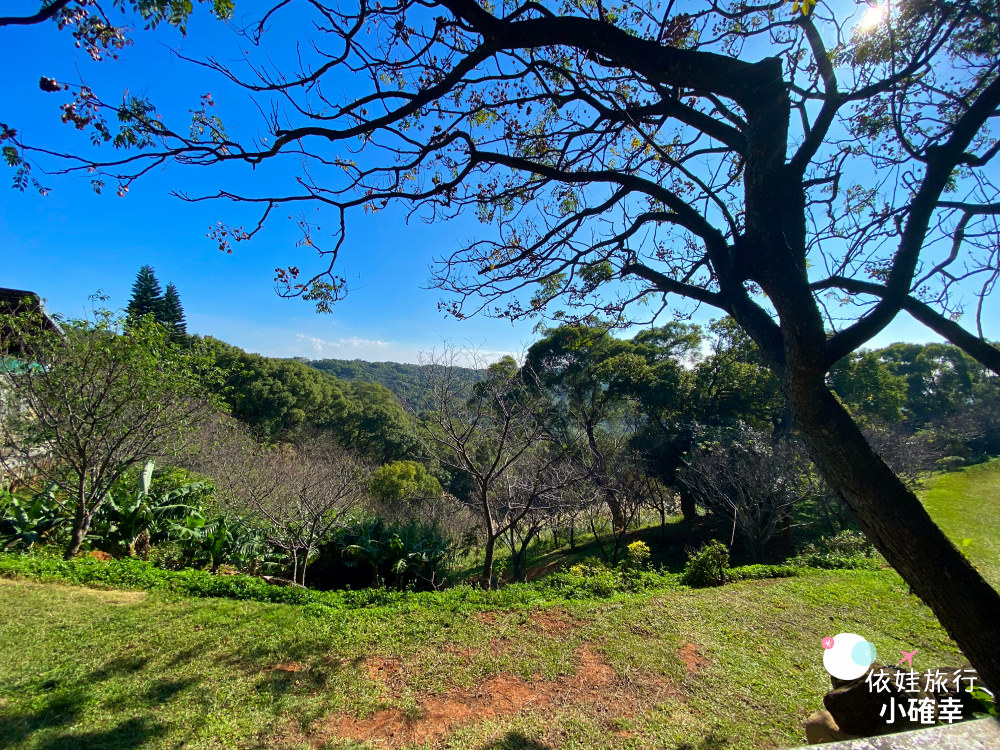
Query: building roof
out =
(22, 300)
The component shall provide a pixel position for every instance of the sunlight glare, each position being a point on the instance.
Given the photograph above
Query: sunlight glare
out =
(873, 17)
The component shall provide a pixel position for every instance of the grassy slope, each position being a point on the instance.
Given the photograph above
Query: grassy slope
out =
(966, 505)
(735, 667)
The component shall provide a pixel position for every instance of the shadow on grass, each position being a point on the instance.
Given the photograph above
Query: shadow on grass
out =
(162, 691)
(128, 734)
(185, 656)
(60, 710)
(123, 665)
(66, 707)
(708, 742)
(516, 741)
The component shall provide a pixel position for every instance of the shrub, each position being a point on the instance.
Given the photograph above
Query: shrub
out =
(590, 581)
(950, 463)
(637, 555)
(759, 572)
(848, 550)
(593, 579)
(706, 566)
(376, 553)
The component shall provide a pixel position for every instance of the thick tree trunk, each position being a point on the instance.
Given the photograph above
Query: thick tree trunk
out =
(688, 509)
(81, 525)
(895, 521)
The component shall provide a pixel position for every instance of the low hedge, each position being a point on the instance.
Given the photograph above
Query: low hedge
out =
(132, 573)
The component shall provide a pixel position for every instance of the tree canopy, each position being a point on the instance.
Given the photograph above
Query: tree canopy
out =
(99, 399)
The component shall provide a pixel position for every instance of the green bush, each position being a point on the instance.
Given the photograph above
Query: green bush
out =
(760, 572)
(950, 463)
(133, 573)
(637, 555)
(706, 566)
(593, 579)
(28, 519)
(376, 553)
(848, 550)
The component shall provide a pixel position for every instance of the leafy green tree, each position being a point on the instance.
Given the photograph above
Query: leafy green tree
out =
(374, 424)
(147, 296)
(277, 396)
(868, 387)
(172, 312)
(103, 398)
(403, 480)
(585, 371)
(733, 383)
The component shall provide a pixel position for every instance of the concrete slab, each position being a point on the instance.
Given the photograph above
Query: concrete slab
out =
(980, 734)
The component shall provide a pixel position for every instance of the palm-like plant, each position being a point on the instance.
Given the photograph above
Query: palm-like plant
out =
(397, 556)
(132, 518)
(219, 541)
(27, 522)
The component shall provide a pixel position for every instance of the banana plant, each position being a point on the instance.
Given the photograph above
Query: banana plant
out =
(132, 519)
(27, 522)
(220, 541)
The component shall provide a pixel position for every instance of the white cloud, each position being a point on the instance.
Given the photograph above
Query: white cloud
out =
(351, 345)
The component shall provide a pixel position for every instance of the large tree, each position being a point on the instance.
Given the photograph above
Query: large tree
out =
(94, 401)
(810, 177)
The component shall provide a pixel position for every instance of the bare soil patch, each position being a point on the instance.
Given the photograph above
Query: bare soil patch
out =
(487, 618)
(692, 657)
(595, 687)
(382, 669)
(466, 652)
(552, 621)
(287, 666)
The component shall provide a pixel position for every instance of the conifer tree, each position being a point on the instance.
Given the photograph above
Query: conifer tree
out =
(147, 297)
(171, 312)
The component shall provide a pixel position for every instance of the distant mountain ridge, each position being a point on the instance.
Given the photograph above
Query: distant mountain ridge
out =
(410, 383)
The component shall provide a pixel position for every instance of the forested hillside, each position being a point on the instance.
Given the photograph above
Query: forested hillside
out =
(410, 383)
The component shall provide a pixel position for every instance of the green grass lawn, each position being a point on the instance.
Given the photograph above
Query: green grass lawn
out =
(966, 505)
(732, 667)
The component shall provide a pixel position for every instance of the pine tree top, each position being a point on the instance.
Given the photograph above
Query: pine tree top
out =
(147, 296)
(172, 312)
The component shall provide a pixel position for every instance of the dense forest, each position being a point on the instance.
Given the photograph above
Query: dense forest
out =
(407, 381)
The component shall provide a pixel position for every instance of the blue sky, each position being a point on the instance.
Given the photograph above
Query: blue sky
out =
(71, 243)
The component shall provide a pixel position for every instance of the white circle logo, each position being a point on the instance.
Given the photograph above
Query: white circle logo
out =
(847, 656)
